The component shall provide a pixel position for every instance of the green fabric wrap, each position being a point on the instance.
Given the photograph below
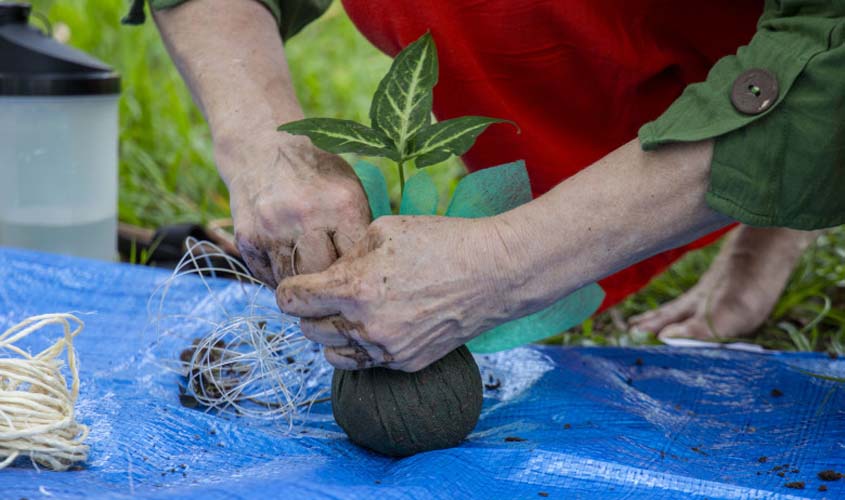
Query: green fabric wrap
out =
(785, 166)
(291, 15)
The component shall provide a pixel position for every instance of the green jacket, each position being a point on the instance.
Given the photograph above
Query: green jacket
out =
(776, 111)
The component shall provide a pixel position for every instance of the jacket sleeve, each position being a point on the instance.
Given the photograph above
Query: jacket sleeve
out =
(776, 112)
(291, 15)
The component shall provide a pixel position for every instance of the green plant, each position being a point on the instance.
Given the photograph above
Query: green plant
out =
(400, 115)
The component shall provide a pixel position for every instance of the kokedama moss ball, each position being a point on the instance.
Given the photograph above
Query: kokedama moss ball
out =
(399, 414)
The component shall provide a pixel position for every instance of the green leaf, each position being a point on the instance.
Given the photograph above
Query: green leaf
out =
(402, 103)
(451, 137)
(420, 196)
(375, 188)
(491, 191)
(342, 136)
(569, 311)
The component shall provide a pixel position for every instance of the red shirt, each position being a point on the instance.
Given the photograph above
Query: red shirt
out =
(578, 76)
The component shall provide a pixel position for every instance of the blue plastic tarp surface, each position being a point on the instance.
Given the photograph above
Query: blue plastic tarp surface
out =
(590, 422)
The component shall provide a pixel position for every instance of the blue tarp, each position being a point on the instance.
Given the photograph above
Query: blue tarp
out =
(591, 422)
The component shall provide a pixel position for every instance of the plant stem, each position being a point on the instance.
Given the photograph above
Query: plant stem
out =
(401, 178)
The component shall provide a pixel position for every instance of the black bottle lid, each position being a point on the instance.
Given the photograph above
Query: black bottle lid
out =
(33, 64)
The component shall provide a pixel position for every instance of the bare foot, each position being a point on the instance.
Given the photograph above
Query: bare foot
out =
(738, 292)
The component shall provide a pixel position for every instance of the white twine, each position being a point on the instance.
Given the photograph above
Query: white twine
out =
(36, 406)
(252, 361)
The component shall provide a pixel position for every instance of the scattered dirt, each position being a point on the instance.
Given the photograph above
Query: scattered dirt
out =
(492, 384)
(776, 393)
(543, 494)
(830, 475)
(567, 426)
(763, 459)
(823, 487)
(639, 362)
(514, 439)
(698, 450)
(377, 481)
(795, 471)
(795, 485)
(777, 468)
(781, 474)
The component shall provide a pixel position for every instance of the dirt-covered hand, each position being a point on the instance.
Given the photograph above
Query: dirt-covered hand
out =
(411, 291)
(286, 194)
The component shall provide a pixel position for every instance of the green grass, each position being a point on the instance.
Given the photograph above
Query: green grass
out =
(167, 171)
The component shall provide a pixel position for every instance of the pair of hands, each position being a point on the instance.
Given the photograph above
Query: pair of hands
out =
(401, 292)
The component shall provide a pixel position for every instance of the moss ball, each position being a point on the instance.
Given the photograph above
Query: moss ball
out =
(399, 414)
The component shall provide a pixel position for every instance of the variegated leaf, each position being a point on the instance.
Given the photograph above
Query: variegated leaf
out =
(401, 106)
(451, 137)
(342, 136)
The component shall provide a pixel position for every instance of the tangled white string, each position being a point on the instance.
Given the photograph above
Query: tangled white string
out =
(249, 358)
(36, 406)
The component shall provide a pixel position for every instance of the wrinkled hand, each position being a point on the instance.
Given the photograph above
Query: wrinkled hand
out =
(411, 291)
(286, 194)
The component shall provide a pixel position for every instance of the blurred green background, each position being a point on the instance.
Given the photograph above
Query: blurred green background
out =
(167, 171)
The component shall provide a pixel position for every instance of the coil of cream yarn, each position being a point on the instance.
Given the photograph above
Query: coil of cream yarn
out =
(36, 405)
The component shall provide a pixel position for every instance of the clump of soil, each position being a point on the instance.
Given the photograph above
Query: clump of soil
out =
(514, 439)
(567, 426)
(795, 485)
(823, 488)
(776, 393)
(830, 475)
(763, 459)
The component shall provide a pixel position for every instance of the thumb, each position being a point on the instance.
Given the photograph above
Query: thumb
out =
(315, 295)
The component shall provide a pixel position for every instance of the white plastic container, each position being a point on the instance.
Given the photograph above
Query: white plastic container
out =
(58, 174)
(58, 143)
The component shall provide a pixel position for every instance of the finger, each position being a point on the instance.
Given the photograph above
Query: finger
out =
(355, 357)
(693, 328)
(256, 261)
(667, 314)
(347, 238)
(331, 331)
(343, 359)
(280, 261)
(313, 252)
(314, 295)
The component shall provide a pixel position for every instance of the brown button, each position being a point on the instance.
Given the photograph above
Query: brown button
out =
(754, 91)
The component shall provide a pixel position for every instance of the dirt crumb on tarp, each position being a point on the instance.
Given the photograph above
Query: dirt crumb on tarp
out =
(795, 485)
(514, 439)
(830, 475)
